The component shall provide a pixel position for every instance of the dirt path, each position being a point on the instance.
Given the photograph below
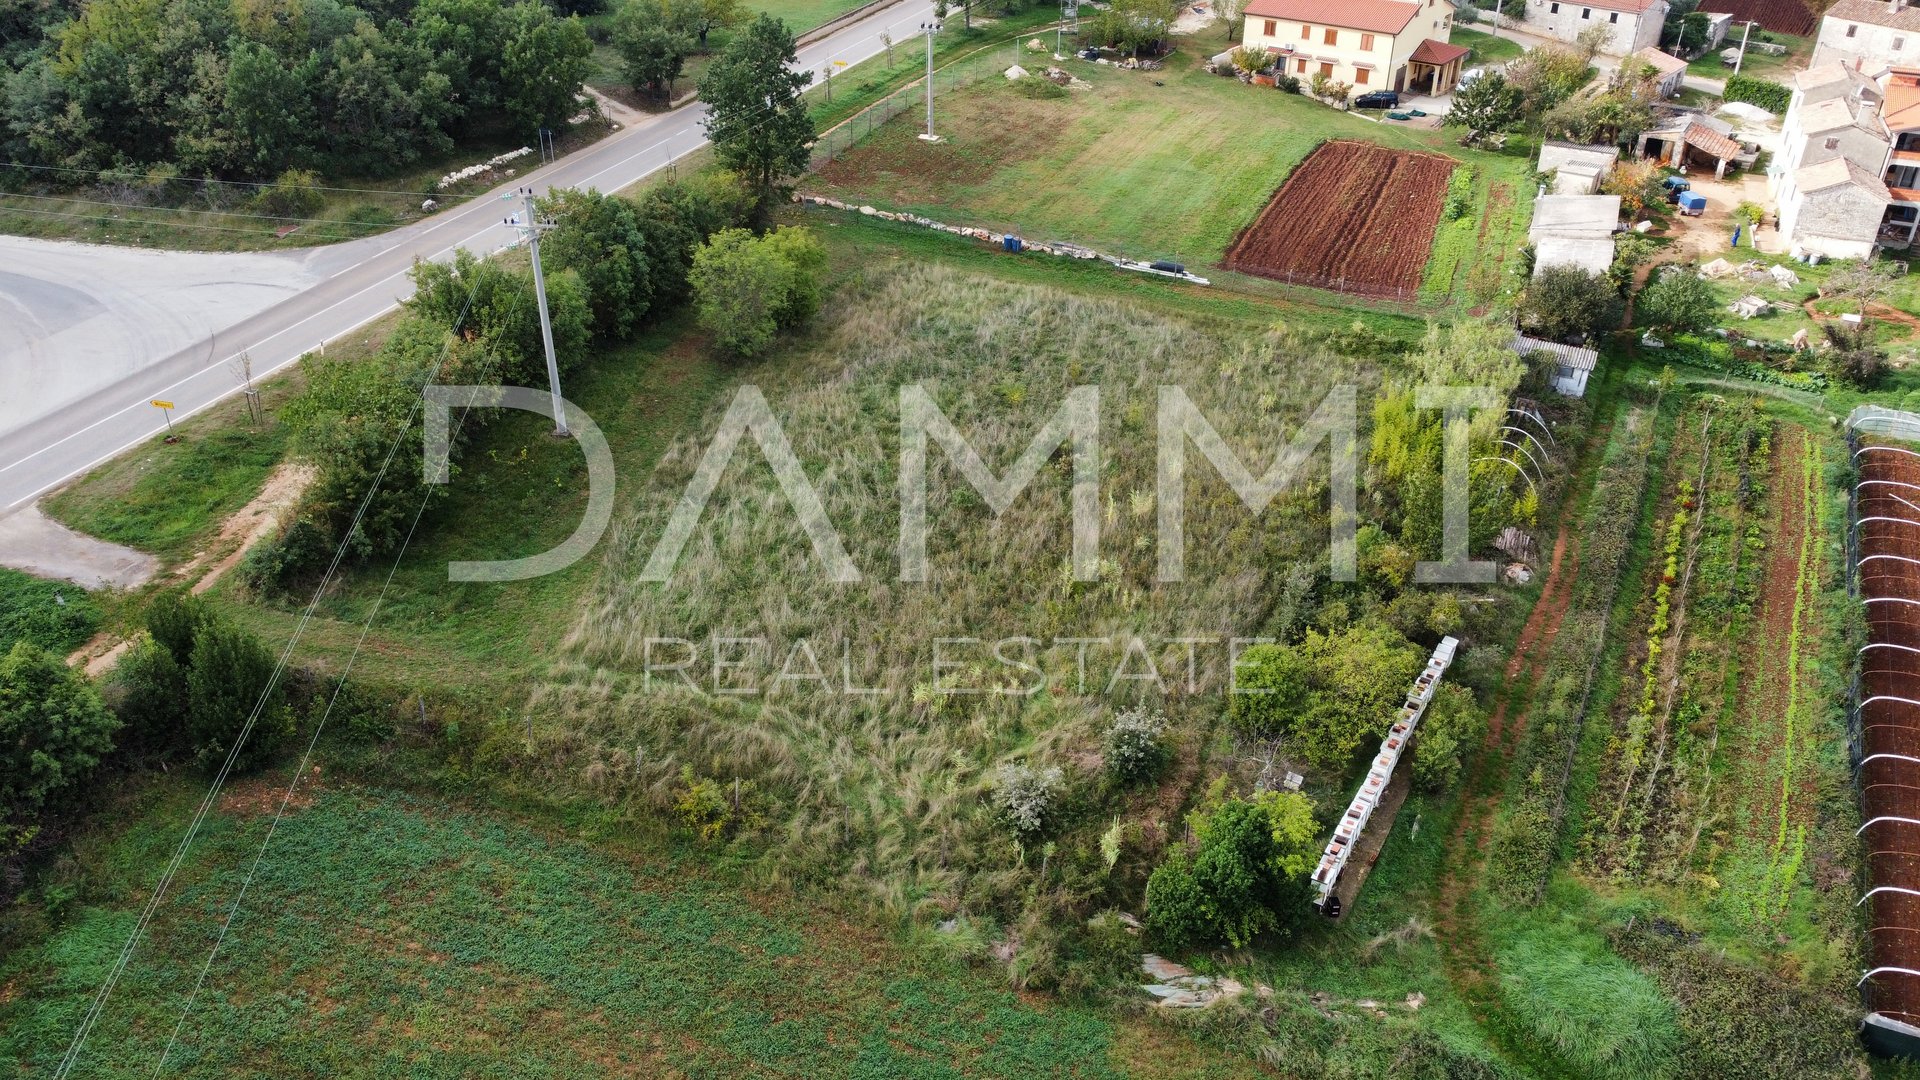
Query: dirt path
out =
(1467, 962)
(246, 527)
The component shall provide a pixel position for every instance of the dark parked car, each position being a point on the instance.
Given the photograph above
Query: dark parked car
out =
(1379, 99)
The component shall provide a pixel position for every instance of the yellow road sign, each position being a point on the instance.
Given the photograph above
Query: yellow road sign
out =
(158, 404)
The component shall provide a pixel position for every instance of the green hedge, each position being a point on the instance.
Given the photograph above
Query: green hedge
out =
(1770, 96)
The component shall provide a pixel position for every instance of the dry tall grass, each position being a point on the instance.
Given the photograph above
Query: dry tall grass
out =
(889, 787)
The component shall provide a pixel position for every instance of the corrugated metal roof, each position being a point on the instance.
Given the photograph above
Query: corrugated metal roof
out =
(1575, 357)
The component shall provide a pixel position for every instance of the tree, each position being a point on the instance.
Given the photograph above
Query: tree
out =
(270, 110)
(543, 61)
(152, 697)
(1244, 875)
(702, 17)
(746, 288)
(599, 238)
(173, 619)
(1327, 695)
(230, 680)
(756, 117)
(1637, 183)
(1566, 302)
(1592, 41)
(53, 731)
(1489, 103)
(652, 49)
(1852, 357)
(1452, 722)
(1678, 301)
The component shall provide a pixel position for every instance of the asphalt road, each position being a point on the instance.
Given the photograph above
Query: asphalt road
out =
(364, 280)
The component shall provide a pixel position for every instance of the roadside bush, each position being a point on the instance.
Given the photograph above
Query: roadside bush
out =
(54, 615)
(229, 679)
(53, 731)
(1770, 96)
(1026, 798)
(294, 194)
(174, 618)
(150, 695)
(298, 551)
(1134, 747)
(599, 238)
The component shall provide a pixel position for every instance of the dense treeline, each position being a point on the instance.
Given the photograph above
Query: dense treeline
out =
(250, 88)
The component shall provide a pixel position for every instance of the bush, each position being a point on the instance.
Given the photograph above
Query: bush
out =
(53, 731)
(747, 288)
(714, 809)
(295, 194)
(1246, 874)
(1328, 695)
(1679, 301)
(1565, 302)
(230, 679)
(1770, 96)
(174, 619)
(1134, 748)
(54, 615)
(1452, 722)
(151, 697)
(1025, 798)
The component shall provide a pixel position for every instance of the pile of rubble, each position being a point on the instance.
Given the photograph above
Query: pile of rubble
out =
(1753, 270)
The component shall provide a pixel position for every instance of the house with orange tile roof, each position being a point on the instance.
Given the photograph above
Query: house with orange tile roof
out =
(1900, 115)
(1369, 44)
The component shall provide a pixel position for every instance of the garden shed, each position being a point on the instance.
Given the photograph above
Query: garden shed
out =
(1572, 364)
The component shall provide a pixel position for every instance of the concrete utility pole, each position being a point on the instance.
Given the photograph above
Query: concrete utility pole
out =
(930, 29)
(530, 229)
(1742, 58)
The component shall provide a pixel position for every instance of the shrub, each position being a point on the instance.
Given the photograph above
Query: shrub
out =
(1327, 695)
(1135, 751)
(1565, 302)
(151, 697)
(1678, 300)
(231, 678)
(53, 731)
(174, 619)
(295, 194)
(1245, 875)
(714, 809)
(54, 615)
(747, 288)
(1025, 797)
(1452, 721)
(1770, 96)
(1288, 84)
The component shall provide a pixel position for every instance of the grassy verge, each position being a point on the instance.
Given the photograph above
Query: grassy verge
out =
(1488, 49)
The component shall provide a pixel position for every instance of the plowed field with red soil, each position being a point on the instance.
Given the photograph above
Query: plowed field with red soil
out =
(1353, 216)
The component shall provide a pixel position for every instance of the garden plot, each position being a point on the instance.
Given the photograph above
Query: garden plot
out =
(1354, 216)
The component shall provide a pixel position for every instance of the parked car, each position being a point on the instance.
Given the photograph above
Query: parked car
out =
(1379, 99)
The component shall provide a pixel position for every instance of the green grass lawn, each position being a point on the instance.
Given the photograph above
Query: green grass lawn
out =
(1487, 48)
(387, 934)
(1162, 165)
(170, 499)
(1757, 64)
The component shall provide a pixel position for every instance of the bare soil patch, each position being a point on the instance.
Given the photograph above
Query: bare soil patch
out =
(1353, 216)
(260, 796)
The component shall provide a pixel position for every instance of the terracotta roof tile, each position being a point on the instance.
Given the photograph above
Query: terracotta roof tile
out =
(1377, 16)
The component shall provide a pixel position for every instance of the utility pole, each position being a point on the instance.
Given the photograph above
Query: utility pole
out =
(1742, 58)
(530, 229)
(929, 29)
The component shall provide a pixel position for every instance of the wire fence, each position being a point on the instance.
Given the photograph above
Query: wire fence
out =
(831, 145)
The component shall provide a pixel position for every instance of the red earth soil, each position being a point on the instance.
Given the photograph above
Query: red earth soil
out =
(1779, 16)
(1353, 216)
(1888, 515)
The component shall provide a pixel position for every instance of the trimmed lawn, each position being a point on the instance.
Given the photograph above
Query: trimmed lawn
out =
(1487, 48)
(1757, 64)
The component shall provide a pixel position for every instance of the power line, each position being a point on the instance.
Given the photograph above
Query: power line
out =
(97, 1007)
